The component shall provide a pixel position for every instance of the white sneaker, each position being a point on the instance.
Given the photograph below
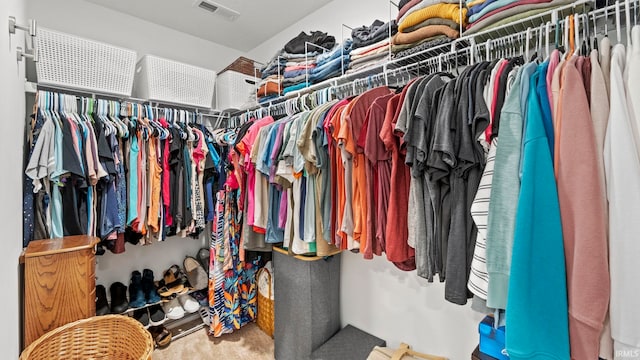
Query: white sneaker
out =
(173, 309)
(189, 304)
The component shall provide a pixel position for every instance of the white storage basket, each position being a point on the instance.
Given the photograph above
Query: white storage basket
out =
(172, 82)
(235, 90)
(68, 61)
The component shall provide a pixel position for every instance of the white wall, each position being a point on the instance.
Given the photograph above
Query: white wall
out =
(375, 296)
(328, 18)
(400, 307)
(95, 22)
(11, 135)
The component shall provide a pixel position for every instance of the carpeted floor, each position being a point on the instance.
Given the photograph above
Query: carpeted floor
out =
(247, 343)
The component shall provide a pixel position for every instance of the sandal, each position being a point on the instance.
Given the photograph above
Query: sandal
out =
(161, 336)
(195, 273)
(173, 282)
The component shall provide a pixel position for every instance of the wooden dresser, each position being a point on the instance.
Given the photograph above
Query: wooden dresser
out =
(59, 283)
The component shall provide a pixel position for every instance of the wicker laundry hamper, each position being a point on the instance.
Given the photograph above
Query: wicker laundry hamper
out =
(265, 303)
(99, 337)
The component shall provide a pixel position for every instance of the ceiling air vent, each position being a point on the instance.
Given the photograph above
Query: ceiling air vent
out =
(217, 9)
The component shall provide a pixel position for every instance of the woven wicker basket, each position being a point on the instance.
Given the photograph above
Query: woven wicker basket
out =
(265, 306)
(99, 337)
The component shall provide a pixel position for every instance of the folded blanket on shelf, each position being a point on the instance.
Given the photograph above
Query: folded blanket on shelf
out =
(299, 67)
(296, 87)
(367, 59)
(269, 88)
(271, 78)
(299, 57)
(434, 21)
(294, 73)
(295, 80)
(380, 50)
(367, 35)
(398, 48)
(479, 7)
(421, 47)
(425, 33)
(494, 5)
(367, 65)
(301, 62)
(266, 99)
(419, 5)
(443, 11)
(516, 10)
(364, 50)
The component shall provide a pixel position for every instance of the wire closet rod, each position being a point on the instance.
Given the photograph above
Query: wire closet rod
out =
(465, 41)
(81, 94)
(501, 46)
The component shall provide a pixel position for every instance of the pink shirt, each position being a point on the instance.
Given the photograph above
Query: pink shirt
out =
(245, 148)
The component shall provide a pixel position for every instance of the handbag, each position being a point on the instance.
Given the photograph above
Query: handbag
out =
(404, 352)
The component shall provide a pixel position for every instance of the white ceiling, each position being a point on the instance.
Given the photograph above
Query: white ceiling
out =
(258, 21)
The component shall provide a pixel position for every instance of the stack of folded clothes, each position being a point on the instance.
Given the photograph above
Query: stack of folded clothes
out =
(296, 69)
(426, 23)
(269, 88)
(371, 45)
(486, 14)
(291, 64)
(332, 63)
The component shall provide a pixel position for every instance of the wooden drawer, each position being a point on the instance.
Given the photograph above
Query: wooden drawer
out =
(59, 282)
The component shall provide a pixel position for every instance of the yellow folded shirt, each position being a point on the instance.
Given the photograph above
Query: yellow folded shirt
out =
(442, 10)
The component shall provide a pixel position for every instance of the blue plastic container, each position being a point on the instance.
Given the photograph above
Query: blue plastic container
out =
(492, 340)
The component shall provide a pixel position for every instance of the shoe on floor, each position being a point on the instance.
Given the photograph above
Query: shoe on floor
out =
(173, 309)
(161, 336)
(142, 315)
(136, 295)
(149, 288)
(198, 278)
(157, 316)
(102, 305)
(189, 304)
(119, 303)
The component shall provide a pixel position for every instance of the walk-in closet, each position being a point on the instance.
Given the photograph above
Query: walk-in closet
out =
(320, 179)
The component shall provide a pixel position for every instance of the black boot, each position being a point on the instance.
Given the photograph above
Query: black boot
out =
(136, 293)
(119, 303)
(149, 288)
(102, 306)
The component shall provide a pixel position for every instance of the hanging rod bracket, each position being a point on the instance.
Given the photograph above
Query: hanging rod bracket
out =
(20, 54)
(30, 29)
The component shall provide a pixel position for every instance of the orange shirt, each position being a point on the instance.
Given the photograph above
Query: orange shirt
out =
(155, 175)
(356, 120)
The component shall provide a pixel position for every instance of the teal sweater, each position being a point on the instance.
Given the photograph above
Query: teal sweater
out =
(537, 312)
